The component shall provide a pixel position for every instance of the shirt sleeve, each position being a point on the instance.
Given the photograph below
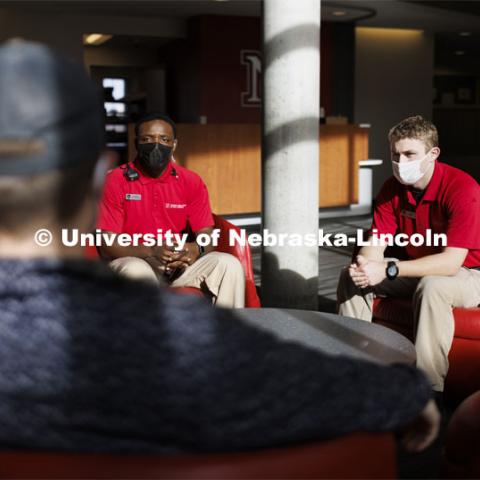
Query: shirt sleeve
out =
(463, 228)
(384, 217)
(110, 211)
(198, 210)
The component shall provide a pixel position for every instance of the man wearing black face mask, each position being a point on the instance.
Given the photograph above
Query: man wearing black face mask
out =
(153, 158)
(151, 195)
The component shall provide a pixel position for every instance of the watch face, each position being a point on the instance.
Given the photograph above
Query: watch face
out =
(392, 270)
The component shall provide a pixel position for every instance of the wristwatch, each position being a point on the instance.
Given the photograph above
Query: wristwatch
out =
(392, 270)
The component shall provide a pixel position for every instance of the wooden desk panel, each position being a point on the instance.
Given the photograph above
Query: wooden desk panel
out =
(341, 148)
(228, 158)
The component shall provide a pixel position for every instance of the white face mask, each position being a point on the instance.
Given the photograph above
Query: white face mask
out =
(408, 173)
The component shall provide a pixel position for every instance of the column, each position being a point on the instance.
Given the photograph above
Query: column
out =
(290, 149)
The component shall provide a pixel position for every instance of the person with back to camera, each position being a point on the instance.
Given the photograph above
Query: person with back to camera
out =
(92, 361)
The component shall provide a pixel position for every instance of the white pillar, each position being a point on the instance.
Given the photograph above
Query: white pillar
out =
(290, 153)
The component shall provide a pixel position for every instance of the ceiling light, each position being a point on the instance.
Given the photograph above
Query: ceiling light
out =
(459, 52)
(95, 38)
(380, 34)
(339, 13)
(465, 34)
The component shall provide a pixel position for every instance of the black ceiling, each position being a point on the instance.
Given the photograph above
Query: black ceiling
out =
(139, 8)
(470, 7)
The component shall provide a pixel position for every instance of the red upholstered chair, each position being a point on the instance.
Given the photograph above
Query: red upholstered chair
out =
(242, 253)
(353, 456)
(461, 456)
(464, 372)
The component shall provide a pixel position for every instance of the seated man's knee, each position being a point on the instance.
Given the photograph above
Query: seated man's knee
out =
(229, 262)
(134, 268)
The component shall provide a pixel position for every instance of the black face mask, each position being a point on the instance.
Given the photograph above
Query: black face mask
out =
(153, 158)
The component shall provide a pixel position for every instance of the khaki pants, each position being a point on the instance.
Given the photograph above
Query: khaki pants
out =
(433, 298)
(220, 273)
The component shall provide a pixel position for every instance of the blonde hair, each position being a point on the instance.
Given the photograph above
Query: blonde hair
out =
(415, 127)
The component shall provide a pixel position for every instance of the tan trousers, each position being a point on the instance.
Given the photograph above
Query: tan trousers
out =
(220, 273)
(433, 298)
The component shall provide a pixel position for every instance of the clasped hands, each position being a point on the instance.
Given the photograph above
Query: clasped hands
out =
(174, 259)
(367, 273)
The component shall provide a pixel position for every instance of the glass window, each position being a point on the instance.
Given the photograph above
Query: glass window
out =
(118, 86)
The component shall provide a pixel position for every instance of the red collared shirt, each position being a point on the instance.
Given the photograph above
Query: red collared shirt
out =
(169, 202)
(450, 205)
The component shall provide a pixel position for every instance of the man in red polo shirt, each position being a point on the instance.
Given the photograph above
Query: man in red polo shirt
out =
(423, 196)
(154, 196)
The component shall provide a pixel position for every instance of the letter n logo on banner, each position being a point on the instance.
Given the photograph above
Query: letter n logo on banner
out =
(251, 60)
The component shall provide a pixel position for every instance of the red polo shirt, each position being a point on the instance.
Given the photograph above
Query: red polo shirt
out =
(450, 205)
(145, 205)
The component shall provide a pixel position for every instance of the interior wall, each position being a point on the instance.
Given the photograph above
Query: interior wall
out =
(53, 30)
(183, 77)
(116, 57)
(210, 79)
(223, 77)
(341, 70)
(6, 22)
(393, 80)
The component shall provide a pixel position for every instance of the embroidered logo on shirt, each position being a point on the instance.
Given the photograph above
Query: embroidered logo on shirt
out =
(175, 205)
(133, 196)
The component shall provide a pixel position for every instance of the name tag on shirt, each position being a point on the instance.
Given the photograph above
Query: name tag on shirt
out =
(133, 196)
(409, 214)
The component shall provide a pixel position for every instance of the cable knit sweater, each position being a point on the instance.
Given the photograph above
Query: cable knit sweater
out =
(93, 362)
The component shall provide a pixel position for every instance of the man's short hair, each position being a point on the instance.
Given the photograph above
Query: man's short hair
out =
(415, 127)
(149, 117)
(27, 199)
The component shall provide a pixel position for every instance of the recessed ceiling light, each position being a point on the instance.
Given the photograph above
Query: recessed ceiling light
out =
(339, 13)
(465, 34)
(95, 38)
(459, 52)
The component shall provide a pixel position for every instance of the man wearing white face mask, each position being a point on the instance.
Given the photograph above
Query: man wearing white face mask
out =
(422, 195)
